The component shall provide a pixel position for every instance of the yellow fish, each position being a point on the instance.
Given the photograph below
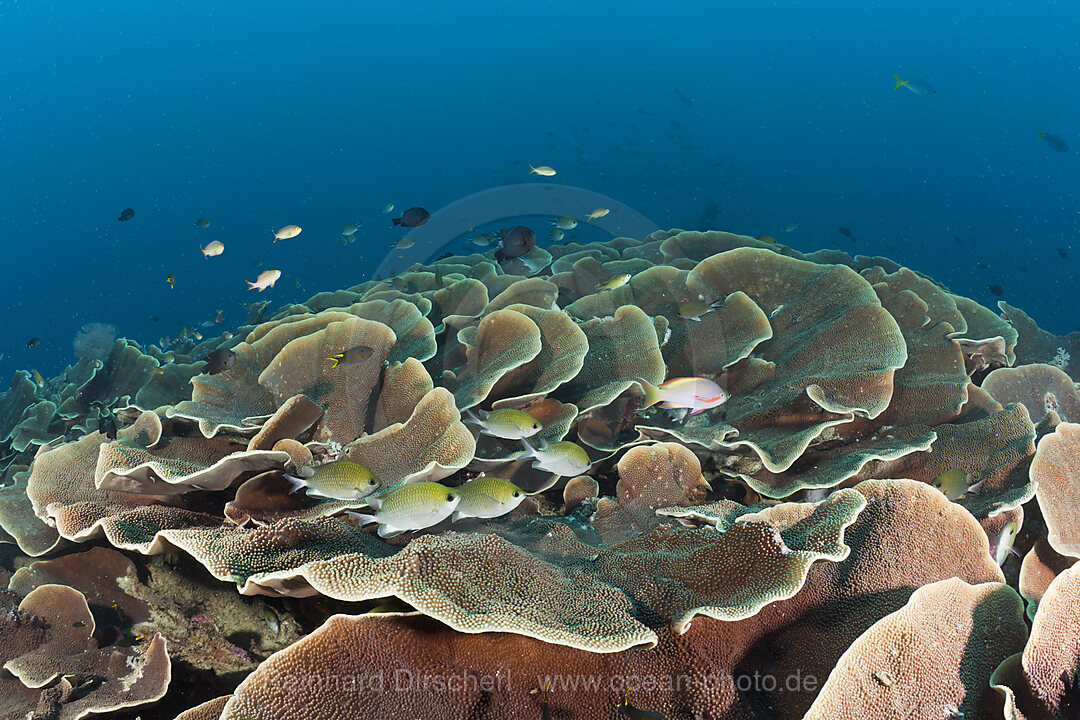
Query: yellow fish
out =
(542, 170)
(38, 380)
(955, 483)
(616, 281)
(412, 506)
(172, 282)
(289, 231)
(506, 423)
(694, 309)
(597, 213)
(339, 479)
(487, 497)
(404, 243)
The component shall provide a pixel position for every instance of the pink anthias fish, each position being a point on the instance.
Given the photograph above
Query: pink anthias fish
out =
(695, 393)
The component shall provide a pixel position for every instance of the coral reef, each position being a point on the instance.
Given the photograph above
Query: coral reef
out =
(784, 553)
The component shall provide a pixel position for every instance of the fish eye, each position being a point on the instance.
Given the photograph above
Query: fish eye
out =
(516, 494)
(371, 482)
(449, 497)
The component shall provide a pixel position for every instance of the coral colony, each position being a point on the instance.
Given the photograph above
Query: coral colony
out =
(778, 549)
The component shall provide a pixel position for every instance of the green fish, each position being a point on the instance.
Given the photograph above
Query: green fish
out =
(560, 458)
(564, 223)
(412, 506)
(340, 480)
(507, 423)
(955, 483)
(616, 281)
(1005, 542)
(352, 356)
(694, 309)
(487, 497)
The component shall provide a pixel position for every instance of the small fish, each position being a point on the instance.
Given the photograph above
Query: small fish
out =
(695, 393)
(338, 479)
(33, 342)
(219, 317)
(1062, 253)
(996, 290)
(625, 708)
(388, 208)
(219, 361)
(203, 223)
(483, 240)
(413, 217)
(126, 214)
(564, 222)
(515, 242)
(597, 213)
(289, 231)
(1055, 142)
(487, 497)
(1005, 541)
(560, 458)
(616, 281)
(350, 229)
(273, 623)
(412, 506)
(557, 235)
(507, 423)
(766, 238)
(542, 170)
(227, 335)
(79, 624)
(108, 426)
(38, 380)
(172, 282)
(404, 243)
(266, 279)
(791, 227)
(919, 87)
(352, 356)
(956, 483)
(846, 232)
(213, 249)
(197, 335)
(695, 309)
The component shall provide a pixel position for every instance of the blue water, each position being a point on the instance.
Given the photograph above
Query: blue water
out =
(319, 115)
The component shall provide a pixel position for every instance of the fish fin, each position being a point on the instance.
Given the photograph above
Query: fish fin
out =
(698, 412)
(397, 221)
(251, 285)
(455, 516)
(374, 503)
(472, 418)
(899, 83)
(336, 359)
(362, 518)
(384, 533)
(295, 484)
(652, 393)
(530, 451)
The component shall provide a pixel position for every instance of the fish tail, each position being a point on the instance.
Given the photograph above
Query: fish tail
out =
(1041, 133)
(251, 285)
(397, 221)
(336, 360)
(362, 518)
(899, 83)
(295, 484)
(652, 393)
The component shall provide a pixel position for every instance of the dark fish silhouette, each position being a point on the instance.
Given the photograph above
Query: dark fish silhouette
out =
(126, 215)
(108, 426)
(1055, 142)
(684, 99)
(996, 289)
(33, 342)
(1062, 253)
(845, 232)
(219, 361)
(516, 241)
(413, 217)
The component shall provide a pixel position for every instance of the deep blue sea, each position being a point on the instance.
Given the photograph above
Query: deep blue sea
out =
(758, 115)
